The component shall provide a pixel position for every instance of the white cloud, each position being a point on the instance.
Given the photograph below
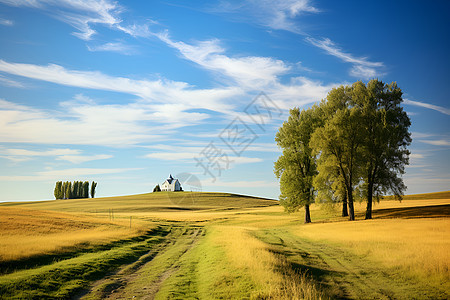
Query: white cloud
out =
(440, 109)
(9, 82)
(250, 71)
(71, 155)
(66, 174)
(273, 14)
(118, 47)
(161, 91)
(242, 183)
(362, 67)
(6, 22)
(172, 156)
(77, 159)
(80, 14)
(441, 142)
(90, 125)
(420, 135)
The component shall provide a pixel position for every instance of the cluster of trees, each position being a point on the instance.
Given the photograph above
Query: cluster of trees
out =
(75, 190)
(156, 188)
(353, 145)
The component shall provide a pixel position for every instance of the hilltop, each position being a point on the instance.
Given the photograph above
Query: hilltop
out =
(152, 202)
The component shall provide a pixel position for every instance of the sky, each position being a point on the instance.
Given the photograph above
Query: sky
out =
(127, 92)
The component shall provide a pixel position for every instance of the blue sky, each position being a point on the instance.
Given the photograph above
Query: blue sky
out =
(125, 93)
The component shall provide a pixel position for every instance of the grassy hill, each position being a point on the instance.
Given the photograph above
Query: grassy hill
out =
(151, 202)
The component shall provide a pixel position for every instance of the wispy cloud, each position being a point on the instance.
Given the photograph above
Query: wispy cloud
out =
(118, 47)
(9, 82)
(240, 184)
(80, 14)
(250, 71)
(84, 15)
(440, 109)
(6, 22)
(172, 156)
(66, 174)
(278, 14)
(362, 67)
(442, 142)
(160, 91)
(71, 155)
(89, 124)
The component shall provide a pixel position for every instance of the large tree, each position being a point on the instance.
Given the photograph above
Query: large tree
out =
(296, 167)
(386, 139)
(339, 141)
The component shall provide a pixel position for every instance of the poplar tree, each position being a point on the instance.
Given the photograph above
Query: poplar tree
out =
(85, 189)
(57, 191)
(93, 186)
(69, 190)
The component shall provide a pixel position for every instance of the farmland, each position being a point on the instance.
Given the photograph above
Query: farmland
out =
(216, 245)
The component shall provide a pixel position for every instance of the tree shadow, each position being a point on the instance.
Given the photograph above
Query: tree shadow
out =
(435, 211)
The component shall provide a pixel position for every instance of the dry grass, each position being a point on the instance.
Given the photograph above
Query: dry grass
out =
(419, 246)
(25, 233)
(270, 272)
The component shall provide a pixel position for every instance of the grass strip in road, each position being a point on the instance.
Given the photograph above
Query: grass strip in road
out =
(64, 278)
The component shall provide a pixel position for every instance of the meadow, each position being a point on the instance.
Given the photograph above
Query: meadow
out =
(222, 246)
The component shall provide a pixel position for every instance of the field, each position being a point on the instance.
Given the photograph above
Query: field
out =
(222, 246)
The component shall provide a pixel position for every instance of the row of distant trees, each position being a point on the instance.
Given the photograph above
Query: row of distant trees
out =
(75, 190)
(353, 145)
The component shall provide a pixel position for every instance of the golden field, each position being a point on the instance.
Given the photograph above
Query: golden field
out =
(25, 232)
(231, 246)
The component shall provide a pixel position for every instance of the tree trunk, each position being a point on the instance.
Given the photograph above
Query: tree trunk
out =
(307, 214)
(351, 210)
(344, 206)
(369, 201)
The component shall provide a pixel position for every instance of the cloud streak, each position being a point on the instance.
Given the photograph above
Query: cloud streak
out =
(440, 109)
(362, 67)
(71, 155)
(277, 15)
(80, 14)
(117, 47)
(65, 174)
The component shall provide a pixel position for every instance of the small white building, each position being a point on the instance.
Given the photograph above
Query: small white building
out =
(171, 185)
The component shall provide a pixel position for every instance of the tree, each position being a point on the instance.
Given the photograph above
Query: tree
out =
(85, 189)
(80, 189)
(58, 189)
(69, 190)
(331, 187)
(340, 140)
(157, 188)
(93, 186)
(386, 139)
(296, 167)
